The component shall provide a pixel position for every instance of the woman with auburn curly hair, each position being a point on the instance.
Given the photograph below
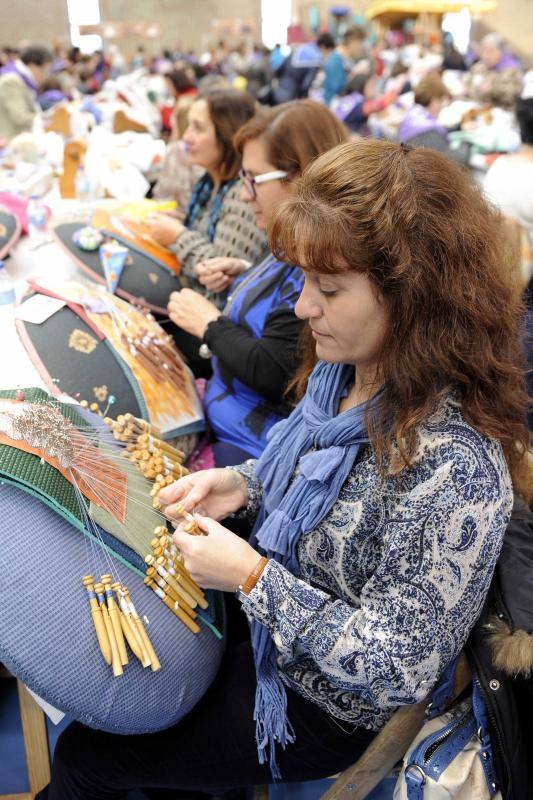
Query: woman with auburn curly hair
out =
(380, 504)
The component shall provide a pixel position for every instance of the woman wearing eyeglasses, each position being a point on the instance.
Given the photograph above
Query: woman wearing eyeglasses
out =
(253, 341)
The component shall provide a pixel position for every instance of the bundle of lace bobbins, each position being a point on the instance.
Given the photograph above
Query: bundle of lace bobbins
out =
(155, 458)
(167, 577)
(117, 622)
(161, 463)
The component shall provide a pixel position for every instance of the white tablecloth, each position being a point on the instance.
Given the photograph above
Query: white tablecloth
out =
(16, 369)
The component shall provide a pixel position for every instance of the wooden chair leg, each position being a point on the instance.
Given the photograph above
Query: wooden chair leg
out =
(35, 741)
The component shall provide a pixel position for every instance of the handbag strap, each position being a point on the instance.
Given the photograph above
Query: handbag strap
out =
(415, 778)
(443, 693)
(474, 721)
(485, 752)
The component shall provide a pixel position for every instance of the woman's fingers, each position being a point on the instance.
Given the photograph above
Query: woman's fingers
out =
(186, 491)
(216, 282)
(173, 492)
(187, 502)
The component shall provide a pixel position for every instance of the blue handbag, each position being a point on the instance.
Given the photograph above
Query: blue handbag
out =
(451, 757)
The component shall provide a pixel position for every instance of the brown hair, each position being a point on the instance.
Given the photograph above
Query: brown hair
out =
(181, 115)
(431, 87)
(228, 109)
(421, 230)
(293, 133)
(354, 32)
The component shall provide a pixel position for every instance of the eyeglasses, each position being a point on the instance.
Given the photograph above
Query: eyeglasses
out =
(257, 180)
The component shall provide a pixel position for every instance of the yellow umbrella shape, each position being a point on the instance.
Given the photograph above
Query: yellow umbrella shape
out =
(379, 8)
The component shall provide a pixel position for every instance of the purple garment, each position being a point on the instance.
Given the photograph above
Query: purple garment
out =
(11, 66)
(342, 107)
(507, 61)
(51, 97)
(419, 120)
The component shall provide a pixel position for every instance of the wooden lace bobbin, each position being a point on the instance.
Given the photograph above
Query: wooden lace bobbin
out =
(161, 568)
(189, 588)
(191, 625)
(155, 663)
(152, 573)
(176, 576)
(141, 425)
(176, 559)
(188, 583)
(114, 614)
(191, 526)
(115, 657)
(98, 620)
(172, 452)
(160, 482)
(164, 480)
(173, 469)
(130, 629)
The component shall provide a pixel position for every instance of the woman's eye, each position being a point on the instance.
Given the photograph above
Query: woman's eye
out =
(327, 292)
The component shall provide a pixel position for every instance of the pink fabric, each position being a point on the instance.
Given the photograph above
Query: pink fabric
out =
(18, 207)
(201, 458)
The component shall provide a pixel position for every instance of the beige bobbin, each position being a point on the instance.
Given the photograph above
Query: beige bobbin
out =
(174, 607)
(114, 614)
(154, 661)
(129, 628)
(169, 574)
(98, 620)
(115, 657)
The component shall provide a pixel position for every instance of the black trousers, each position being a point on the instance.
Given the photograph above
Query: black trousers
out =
(211, 750)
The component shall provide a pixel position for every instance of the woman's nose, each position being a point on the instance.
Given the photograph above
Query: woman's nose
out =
(306, 306)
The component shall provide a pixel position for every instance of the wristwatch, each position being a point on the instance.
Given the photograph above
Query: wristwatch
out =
(240, 594)
(243, 590)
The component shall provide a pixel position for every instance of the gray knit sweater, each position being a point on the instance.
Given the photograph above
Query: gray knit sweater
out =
(236, 236)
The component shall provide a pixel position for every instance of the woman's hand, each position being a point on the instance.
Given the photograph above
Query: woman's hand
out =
(218, 492)
(216, 274)
(220, 560)
(191, 311)
(164, 228)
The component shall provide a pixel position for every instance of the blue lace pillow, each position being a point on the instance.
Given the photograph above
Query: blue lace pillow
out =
(47, 637)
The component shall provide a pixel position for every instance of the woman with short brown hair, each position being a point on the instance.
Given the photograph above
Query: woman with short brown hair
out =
(380, 504)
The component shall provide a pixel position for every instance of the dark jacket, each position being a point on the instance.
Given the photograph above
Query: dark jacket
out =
(500, 652)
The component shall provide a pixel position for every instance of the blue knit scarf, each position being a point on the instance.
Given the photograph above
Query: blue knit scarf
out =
(201, 195)
(323, 445)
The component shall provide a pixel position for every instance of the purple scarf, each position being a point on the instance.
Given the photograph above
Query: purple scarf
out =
(419, 120)
(507, 61)
(12, 66)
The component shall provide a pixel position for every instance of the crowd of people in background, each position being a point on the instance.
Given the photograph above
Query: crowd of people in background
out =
(418, 93)
(325, 68)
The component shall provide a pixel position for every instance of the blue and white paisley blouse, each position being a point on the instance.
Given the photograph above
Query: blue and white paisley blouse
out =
(393, 578)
